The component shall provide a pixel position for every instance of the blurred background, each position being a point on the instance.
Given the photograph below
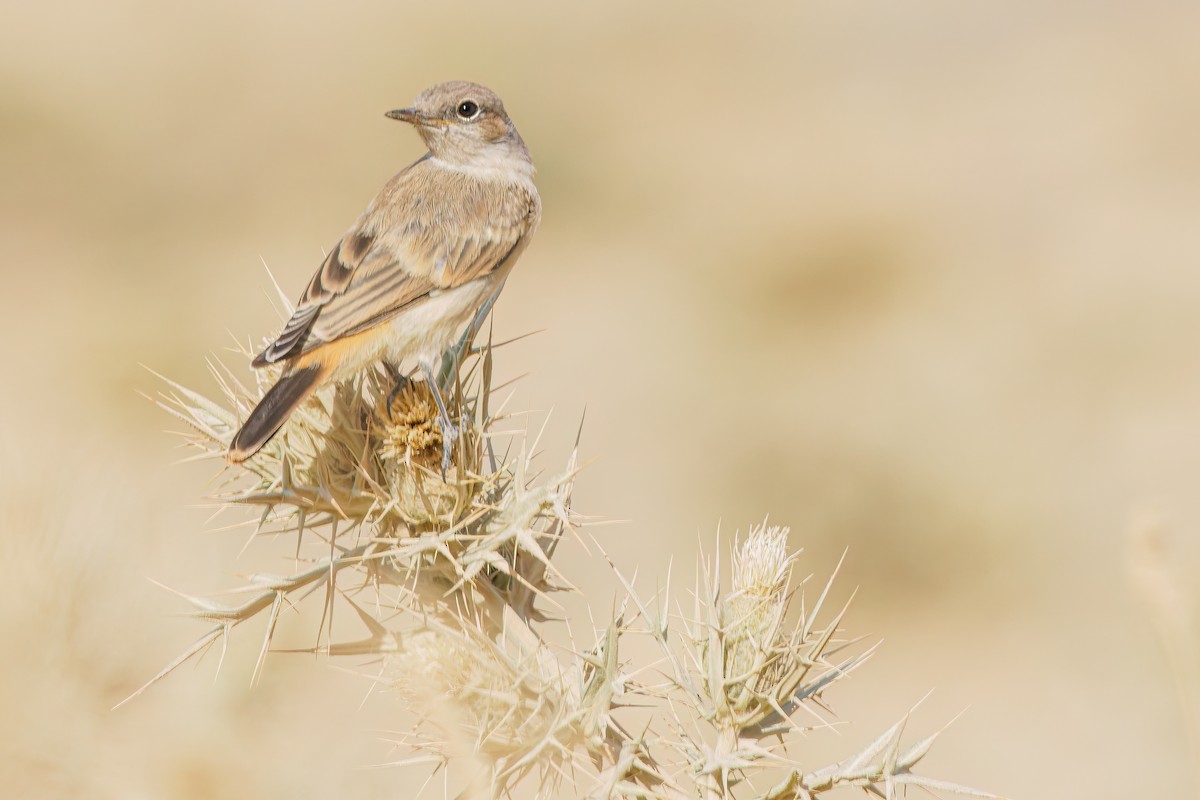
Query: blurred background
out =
(918, 280)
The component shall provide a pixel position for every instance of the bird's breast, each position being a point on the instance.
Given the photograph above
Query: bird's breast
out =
(424, 331)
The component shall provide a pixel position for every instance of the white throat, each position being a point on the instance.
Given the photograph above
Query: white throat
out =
(493, 163)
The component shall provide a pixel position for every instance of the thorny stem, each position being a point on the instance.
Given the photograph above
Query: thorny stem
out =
(713, 783)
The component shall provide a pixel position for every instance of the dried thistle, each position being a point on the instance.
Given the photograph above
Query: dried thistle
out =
(746, 664)
(450, 576)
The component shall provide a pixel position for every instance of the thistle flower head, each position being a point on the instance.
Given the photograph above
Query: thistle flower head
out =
(758, 652)
(364, 451)
(410, 431)
(762, 564)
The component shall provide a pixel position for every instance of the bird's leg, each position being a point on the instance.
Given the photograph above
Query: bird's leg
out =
(400, 381)
(455, 355)
(450, 431)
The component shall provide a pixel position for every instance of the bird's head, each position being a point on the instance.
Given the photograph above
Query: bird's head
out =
(464, 124)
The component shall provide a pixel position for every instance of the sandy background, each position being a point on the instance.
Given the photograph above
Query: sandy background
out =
(919, 280)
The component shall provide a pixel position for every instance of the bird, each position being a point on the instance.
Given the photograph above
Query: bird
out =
(430, 252)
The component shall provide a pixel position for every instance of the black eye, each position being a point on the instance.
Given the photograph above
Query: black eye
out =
(467, 109)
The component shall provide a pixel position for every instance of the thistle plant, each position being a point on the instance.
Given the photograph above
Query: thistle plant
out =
(452, 579)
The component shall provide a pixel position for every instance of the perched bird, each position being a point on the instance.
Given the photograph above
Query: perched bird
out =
(431, 252)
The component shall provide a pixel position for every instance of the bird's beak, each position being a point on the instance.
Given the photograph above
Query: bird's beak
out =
(414, 117)
(408, 115)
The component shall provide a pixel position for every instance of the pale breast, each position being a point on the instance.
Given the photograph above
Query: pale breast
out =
(423, 331)
(426, 330)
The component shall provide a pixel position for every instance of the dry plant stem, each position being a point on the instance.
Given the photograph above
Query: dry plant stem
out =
(722, 759)
(450, 577)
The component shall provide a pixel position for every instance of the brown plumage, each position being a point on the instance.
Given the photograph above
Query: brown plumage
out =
(431, 249)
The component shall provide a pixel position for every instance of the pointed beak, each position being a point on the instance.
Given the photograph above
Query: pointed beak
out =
(417, 118)
(408, 115)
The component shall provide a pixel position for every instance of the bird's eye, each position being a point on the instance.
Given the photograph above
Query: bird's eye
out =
(467, 109)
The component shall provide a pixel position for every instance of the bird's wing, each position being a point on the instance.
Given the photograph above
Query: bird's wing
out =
(404, 247)
(330, 280)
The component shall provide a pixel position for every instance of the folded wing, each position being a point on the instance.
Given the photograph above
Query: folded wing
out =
(424, 246)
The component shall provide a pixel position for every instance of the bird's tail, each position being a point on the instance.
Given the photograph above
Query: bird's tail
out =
(274, 409)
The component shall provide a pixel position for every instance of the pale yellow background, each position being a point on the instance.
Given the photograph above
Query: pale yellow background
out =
(918, 279)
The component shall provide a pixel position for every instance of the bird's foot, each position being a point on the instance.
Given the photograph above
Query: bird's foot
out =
(450, 436)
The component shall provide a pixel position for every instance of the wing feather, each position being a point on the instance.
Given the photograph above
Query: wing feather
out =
(332, 278)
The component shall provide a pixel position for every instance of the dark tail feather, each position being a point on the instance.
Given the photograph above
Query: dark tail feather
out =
(273, 410)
